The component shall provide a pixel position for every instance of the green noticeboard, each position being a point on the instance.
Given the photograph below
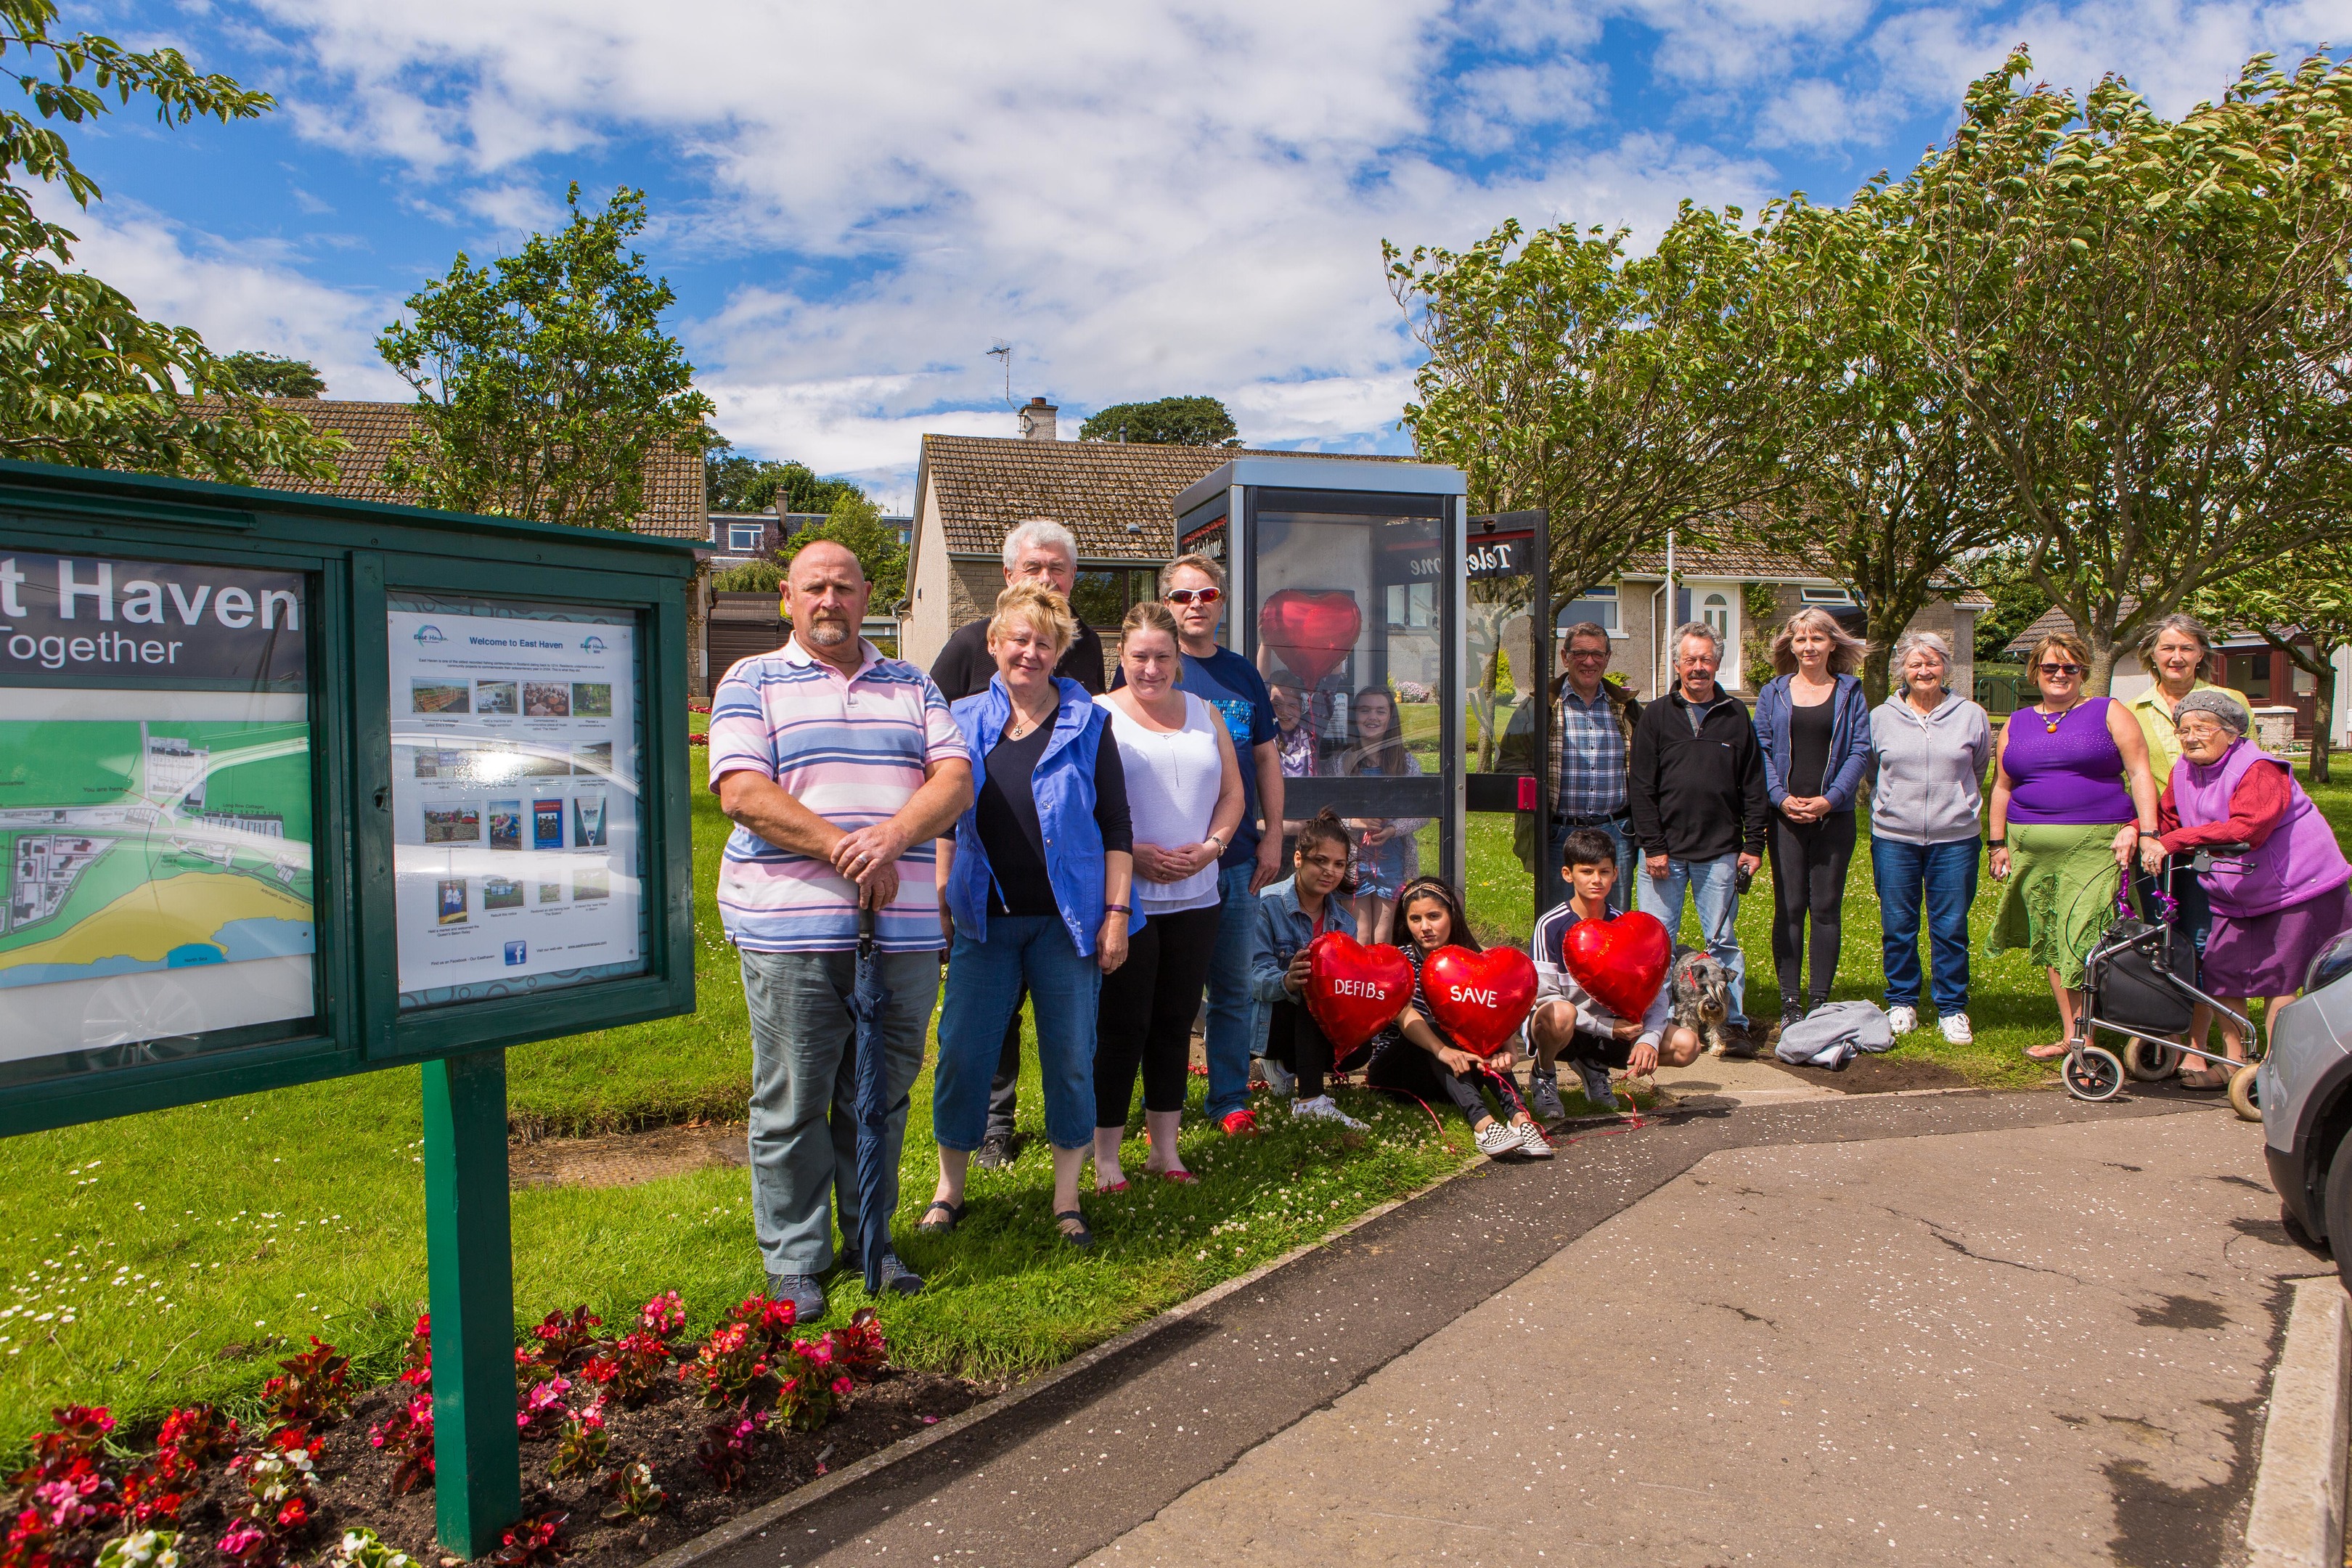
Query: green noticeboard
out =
(292, 787)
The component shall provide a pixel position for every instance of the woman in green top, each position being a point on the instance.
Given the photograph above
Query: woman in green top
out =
(2179, 652)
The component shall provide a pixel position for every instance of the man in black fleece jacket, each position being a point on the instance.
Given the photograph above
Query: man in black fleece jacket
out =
(1696, 792)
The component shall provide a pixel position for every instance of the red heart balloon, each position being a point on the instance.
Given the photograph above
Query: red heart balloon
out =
(1622, 962)
(1479, 999)
(1310, 629)
(1352, 991)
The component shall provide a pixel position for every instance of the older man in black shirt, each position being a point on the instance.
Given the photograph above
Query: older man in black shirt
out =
(1037, 550)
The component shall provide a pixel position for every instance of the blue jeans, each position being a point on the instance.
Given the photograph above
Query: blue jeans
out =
(984, 984)
(1944, 878)
(804, 1132)
(1712, 887)
(1620, 896)
(1230, 1010)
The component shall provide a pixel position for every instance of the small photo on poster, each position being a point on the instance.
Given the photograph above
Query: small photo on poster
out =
(540, 762)
(437, 696)
(435, 763)
(550, 893)
(494, 697)
(593, 757)
(547, 698)
(453, 901)
(505, 824)
(501, 893)
(588, 820)
(457, 822)
(591, 882)
(592, 699)
(547, 823)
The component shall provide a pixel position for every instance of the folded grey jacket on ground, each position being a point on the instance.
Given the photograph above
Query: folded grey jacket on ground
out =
(1831, 1035)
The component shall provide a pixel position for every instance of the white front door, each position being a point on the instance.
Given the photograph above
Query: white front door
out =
(1717, 604)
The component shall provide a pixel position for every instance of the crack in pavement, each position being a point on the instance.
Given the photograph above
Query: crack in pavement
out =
(1943, 1235)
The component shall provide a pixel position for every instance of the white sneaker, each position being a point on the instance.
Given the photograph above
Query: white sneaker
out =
(1903, 1020)
(1533, 1144)
(1956, 1029)
(1322, 1109)
(1499, 1142)
(1278, 1080)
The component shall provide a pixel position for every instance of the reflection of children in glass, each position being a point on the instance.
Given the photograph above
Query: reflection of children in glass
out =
(1293, 736)
(1386, 857)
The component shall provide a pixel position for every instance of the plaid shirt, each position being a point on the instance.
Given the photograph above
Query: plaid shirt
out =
(1588, 756)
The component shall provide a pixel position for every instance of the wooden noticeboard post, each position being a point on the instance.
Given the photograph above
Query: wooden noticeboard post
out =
(307, 787)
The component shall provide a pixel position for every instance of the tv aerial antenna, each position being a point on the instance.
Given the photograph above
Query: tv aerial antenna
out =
(1003, 351)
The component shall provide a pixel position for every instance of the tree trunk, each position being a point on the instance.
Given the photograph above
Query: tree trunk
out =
(2323, 717)
(2101, 675)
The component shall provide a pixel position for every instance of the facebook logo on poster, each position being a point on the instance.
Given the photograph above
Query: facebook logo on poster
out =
(517, 951)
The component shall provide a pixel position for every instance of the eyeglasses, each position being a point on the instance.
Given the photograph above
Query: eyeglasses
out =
(2059, 668)
(1588, 653)
(1182, 596)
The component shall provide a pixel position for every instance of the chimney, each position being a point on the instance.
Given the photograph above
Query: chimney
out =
(1037, 421)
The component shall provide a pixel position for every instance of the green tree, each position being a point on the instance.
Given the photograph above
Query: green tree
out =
(857, 521)
(750, 577)
(1168, 422)
(87, 379)
(1888, 485)
(274, 375)
(737, 483)
(2150, 323)
(545, 380)
(2302, 607)
(1623, 395)
(2018, 601)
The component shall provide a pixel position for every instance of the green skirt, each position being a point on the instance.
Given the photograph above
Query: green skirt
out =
(2061, 893)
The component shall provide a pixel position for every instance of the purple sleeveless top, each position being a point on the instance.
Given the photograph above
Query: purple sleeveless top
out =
(2071, 774)
(2299, 860)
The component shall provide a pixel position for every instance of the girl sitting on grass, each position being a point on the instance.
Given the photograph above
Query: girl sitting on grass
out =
(1414, 1057)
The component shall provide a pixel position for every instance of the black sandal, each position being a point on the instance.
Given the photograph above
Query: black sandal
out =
(1081, 1236)
(954, 1211)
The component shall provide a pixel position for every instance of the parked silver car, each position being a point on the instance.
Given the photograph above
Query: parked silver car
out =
(2305, 1088)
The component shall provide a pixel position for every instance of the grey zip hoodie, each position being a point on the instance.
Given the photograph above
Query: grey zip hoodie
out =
(1930, 770)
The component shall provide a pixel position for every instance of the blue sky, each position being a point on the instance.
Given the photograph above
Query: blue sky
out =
(856, 203)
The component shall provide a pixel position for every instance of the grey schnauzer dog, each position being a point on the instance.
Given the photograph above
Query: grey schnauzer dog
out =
(1698, 992)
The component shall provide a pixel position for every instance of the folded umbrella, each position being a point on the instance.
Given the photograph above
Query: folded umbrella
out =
(868, 1000)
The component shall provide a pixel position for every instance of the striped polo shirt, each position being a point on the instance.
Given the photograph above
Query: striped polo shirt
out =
(852, 749)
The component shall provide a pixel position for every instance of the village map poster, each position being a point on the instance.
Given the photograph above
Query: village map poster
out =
(155, 809)
(514, 799)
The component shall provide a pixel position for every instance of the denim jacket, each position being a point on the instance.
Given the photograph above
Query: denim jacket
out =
(1064, 787)
(1283, 928)
(1849, 740)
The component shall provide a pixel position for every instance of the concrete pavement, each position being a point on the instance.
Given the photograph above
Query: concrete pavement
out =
(2037, 1346)
(1995, 1296)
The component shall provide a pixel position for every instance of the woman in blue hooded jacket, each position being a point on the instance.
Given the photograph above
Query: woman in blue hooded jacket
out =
(1034, 887)
(1813, 724)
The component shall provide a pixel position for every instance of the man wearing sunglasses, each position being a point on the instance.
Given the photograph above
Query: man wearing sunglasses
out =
(1193, 589)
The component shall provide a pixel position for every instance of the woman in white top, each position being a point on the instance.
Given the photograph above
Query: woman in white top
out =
(1184, 800)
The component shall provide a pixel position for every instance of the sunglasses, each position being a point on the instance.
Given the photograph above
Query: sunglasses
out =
(1182, 596)
(2059, 668)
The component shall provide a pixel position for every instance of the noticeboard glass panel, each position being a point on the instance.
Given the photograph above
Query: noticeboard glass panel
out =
(157, 800)
(518, 738)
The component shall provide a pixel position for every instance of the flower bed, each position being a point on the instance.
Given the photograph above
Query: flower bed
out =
(632, 1442)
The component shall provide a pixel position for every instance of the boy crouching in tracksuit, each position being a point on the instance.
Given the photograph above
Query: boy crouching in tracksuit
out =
(1568, 1021)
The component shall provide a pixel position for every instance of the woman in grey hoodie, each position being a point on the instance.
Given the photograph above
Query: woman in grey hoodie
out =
(1929, 746)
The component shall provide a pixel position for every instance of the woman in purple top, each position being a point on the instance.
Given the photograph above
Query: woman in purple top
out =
(2072, 797)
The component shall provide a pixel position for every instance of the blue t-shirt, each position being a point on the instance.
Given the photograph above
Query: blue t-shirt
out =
(1230, 684)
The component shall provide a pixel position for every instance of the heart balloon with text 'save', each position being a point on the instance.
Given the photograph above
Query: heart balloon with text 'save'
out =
(1622, 962)
(1310, 629)
(1479, 999)
(1353, 991)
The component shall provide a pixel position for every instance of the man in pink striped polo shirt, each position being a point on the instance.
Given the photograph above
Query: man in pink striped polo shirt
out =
(839, 768)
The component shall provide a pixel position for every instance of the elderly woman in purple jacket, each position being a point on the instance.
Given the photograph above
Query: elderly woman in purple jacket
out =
(1813, 724)
(2276, 906)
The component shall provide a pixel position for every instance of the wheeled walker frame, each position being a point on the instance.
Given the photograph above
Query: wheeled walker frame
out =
(2136, 983)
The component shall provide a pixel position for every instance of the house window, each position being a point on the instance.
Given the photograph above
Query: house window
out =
(1413, 605)
(743, 538)
(1099, 598)
(2251, 673)
(1827, 597)
(1598, 606)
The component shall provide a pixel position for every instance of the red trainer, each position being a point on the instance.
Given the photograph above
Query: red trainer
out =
(1240, 1124)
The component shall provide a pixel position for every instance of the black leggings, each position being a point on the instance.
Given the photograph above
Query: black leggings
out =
(1294, 1040)
(1809, 861)
(1402, 1068)
(1145, 1015)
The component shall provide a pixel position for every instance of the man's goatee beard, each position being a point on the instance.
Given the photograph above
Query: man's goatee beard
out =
(827, 634)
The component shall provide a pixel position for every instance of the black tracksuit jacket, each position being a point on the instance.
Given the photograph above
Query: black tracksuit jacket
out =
(1696, 797)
